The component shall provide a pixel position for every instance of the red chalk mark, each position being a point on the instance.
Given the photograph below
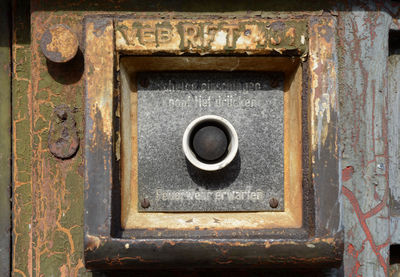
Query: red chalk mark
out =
(362, 219)
(351, 250)
(347, 173)
(386, 243)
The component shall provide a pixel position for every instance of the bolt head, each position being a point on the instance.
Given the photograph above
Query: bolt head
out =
(59, 44)
(273, 203)
(145, 203)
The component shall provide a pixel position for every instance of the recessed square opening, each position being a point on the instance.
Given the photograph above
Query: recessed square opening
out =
(289, 217)
(394, 42)
(394, 254)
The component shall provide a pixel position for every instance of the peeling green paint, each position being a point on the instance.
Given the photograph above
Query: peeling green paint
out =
(22, 196)
(42, 95)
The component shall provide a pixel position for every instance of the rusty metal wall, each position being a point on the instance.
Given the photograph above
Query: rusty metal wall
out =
(48, 192)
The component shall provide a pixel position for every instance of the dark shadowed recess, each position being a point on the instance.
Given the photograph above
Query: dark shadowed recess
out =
(190, 6)
(306, 272)
(394, 42)
(394, 254)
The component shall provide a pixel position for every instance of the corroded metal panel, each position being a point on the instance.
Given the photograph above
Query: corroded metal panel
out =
(48, 191)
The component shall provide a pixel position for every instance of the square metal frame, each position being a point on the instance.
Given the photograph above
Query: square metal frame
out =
(318, 237)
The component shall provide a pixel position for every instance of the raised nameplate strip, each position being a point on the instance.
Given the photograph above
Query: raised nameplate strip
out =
(141, 36)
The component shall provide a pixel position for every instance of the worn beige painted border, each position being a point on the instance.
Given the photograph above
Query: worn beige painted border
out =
(131, 218)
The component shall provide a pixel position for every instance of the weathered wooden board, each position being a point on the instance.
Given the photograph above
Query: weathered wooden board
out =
(363, 38)
(393, 133)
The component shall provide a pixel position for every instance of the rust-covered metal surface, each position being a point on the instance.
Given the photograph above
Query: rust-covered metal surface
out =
(48, 201)
(48, 191)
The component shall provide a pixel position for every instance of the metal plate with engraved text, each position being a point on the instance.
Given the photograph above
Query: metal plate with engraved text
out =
(251, 101)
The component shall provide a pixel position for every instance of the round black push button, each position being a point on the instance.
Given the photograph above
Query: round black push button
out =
(210, 143)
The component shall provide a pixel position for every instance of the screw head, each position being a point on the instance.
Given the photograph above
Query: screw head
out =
(59, 44)
(145, 203)
(273, 203)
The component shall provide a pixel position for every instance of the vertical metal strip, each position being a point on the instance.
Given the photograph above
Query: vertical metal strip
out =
(394, 143)
(99, 87)
(5, 136)
(394, 150)
(363, 36)
(324, 116)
